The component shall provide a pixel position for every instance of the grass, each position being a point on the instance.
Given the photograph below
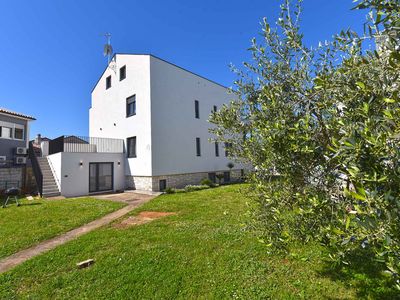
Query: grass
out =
(203, 252)
(38, 220)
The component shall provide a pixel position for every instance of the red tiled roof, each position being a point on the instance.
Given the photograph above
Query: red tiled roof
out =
(11, 113)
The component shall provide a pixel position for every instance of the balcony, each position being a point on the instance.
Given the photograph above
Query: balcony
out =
(81, 144)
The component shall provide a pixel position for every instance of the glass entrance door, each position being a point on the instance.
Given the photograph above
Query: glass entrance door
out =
(101, 177)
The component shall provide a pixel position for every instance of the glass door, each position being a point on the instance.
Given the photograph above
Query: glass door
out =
(101, 177)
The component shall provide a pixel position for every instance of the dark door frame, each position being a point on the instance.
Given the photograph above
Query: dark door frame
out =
(97, 176)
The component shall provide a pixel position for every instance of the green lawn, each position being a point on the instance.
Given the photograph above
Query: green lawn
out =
(203, 252)
(38, 220)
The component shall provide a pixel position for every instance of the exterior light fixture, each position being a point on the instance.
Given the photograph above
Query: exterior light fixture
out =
(81, 163)
(119, 163)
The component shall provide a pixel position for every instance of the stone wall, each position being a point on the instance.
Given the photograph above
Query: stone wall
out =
(152, 183)
(11, 177)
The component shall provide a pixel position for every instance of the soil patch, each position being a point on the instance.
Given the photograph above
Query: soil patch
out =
(143, 218)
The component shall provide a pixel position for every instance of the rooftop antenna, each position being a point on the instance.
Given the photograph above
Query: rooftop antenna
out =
(108, 50)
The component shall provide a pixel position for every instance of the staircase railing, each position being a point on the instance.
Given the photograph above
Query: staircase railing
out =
(36, 168)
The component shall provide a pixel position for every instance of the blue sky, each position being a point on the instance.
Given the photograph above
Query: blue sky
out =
(52, 50)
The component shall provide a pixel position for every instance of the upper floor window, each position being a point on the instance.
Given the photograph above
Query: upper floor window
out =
(198, 149)
(6, 132)
(215, 108)
(131, 106)
(19, 134)
(227, 148)
(196, 109)
(131, 146)
(122, 73)
(216, 149)
(108, 82)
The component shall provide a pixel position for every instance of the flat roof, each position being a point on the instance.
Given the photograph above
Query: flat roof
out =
(16, 114)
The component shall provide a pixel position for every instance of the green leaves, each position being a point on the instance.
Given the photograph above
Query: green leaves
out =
(322, 128)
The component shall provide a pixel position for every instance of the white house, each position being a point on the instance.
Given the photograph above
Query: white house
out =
(160, 110)
(148, 130)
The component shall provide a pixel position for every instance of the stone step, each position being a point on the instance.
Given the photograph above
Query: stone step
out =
(53, 191)
(51, 195)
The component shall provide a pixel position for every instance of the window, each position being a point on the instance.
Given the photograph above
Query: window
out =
(163, 185)
(6, 132)
(212, 177)
(131, 106)
(108, 82)
(216, 149)
(227, 146)
(242, 173)
(215, 108)
(131, 145)
(19, 134)
(198, 150)
(196, 109)
(227, 176)
(122, 73)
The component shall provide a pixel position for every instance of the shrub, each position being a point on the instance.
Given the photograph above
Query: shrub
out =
(220, 177)
(207, 182)
(192, 188)
(170, 190)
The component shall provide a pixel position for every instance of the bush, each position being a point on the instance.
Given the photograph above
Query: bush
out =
(170, 190)
(207, 182)
(192, 188)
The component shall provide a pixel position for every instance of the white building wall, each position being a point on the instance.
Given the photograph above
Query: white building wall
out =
(107, 116)
(173, 122)
(74, 178)
(164, 125)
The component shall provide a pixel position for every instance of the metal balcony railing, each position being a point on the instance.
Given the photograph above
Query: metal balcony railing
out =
(82, 144)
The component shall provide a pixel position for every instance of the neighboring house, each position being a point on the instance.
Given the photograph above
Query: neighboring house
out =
(14, 135)
(148, 130)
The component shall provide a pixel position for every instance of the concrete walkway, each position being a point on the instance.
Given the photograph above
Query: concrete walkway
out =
(133, 201)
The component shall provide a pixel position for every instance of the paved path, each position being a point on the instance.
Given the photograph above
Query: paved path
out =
(133, 200)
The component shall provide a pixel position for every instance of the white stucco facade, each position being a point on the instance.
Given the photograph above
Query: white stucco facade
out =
(164, 125)
(71, 170)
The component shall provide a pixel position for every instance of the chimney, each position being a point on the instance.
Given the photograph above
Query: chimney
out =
(38, 139)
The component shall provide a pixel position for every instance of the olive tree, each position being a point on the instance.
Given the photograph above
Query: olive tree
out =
(326, 121)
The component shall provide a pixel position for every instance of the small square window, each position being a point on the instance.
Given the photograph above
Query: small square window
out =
(19, 134)
(131, 106)
(122, 73)
(108, 82)
(131, 146)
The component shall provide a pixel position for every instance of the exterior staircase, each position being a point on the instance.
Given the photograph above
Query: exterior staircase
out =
(50, 187)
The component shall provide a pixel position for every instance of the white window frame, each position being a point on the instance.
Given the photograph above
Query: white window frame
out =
(23, 134)
(12, 126)
(8, 137)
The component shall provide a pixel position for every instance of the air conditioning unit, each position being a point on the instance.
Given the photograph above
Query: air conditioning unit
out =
(3, 160)
(22, 151)
(20, 160)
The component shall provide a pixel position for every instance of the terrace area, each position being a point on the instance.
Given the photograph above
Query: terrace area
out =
(81, 144)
